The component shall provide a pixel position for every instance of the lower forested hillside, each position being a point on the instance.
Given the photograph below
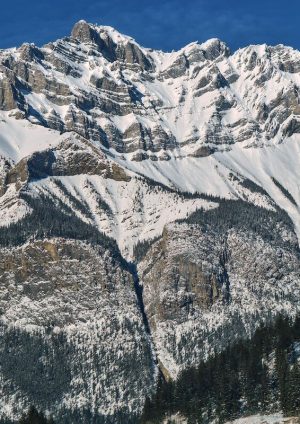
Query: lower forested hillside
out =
(253, 376)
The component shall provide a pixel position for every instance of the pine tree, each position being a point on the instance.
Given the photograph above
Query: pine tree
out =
(293, 390)
(282, 377)
(35, 417)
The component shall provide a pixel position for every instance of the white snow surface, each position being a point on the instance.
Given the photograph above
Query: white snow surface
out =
(12, 209)
(253, 419)
(264, 419)
(20, 138)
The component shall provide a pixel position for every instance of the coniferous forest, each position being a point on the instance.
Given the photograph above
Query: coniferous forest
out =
(258, 375)
(32, 416)
(261, 375)
(35, 417)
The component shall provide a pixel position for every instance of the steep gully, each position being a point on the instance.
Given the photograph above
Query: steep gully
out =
(138, 288)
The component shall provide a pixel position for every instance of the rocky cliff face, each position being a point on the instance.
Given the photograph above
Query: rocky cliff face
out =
(107, 88)
(208, 279)
(149, 207)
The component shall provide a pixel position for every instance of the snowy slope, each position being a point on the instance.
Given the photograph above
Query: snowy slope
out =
(20, 138)
(265, 419)
(211, 175)
(128, 212)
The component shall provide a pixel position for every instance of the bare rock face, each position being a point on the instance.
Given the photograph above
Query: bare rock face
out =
(29, 52)
(189, 285)
(129, 53)
(202, 151)
(5, 166)
(8, 94)
(84, 33)
(216, 48)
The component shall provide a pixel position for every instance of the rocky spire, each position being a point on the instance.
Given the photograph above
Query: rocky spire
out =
(85, 32)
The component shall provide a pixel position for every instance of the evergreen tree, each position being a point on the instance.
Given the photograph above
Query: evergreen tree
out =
(282, 376)
(35, 417)
(293, 390)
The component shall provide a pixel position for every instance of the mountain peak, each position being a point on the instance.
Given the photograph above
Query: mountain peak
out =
(87, 32)
(84, 32)
(215, 47)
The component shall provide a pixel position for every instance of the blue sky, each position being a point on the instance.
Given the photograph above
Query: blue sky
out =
(164, 24)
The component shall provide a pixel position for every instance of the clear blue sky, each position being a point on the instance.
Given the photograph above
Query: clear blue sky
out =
(163, 24)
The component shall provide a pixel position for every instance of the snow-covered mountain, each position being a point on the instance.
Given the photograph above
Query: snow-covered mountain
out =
(150, 214)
